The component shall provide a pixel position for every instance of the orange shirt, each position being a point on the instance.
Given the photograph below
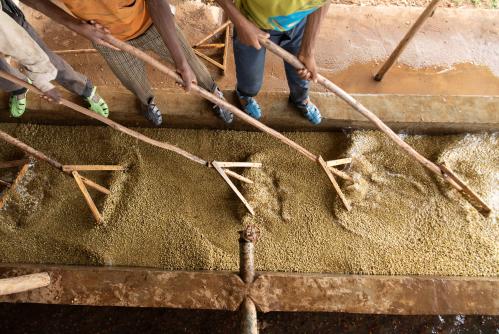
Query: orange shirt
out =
(126, 19)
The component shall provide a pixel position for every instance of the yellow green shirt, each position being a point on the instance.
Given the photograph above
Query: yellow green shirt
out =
(281, 15)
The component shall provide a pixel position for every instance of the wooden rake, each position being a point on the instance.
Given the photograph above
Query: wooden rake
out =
(448, 175)
(141, 137)
(225, 46)
(329, 170)
(72, 170)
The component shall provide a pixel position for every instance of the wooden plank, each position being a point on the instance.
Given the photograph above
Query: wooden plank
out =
(336, 187)
(216, 31)
(401, 295)
(133, 287)
(340, 173)
(94, 185)
(211, 46)
(338, 162)
(88, 198)
(208, 59)
(220, 171)
(226, 49)
(23, 283)
(70, 168)
(62, 52)
(225, 164)
(237, 176)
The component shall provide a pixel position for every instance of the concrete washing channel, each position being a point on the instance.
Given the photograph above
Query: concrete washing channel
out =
(410, 245)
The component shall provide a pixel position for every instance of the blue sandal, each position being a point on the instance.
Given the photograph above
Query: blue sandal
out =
(222, 113)
(310, 111)
(250, 106)
(152, 112)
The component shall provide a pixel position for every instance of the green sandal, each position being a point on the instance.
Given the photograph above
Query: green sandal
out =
(97, 103)
(17, 105)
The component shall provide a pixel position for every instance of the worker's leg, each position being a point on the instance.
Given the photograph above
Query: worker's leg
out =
(6, 85)
(17, 100)
(291, 42)
(70, 79)
(154, 42)
(250, 64)
(131, 72)
(298, 88)
(66, 76)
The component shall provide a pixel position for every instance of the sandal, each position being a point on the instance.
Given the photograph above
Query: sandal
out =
(310, 111)
(97, 103)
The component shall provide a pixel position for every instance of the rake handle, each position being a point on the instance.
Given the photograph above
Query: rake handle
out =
(108, 122)
(30, 150)
(406, 39)
(295, 62)
(23, 283)
(207, 95)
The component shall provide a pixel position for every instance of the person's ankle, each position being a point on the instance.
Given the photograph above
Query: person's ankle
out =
(20, 93)
(297, 102)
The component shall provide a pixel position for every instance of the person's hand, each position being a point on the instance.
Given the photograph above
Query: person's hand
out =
(95, 32)
(310, 70)
(52, 95)
(248, 34)
(188, 76)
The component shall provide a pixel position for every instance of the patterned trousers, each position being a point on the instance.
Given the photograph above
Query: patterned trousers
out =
(131, 70)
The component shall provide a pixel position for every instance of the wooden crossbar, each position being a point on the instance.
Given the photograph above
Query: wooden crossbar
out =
(218, 167)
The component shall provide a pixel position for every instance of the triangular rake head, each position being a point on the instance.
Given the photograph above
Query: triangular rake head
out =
(223, 169)
(330, 170)
(83, 183)
(203, 45)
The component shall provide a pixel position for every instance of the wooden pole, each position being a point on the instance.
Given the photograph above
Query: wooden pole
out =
(23, 283)
(30, 150)
(248, 238)
(207, 95)
(216, 31)
(62, 52)
(109, 122)
(407, 38)
(70, 168)
(11, 164)
(292, 60)
(125, 47)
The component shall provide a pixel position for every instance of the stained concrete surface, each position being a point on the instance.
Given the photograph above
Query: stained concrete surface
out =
(456, 52)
